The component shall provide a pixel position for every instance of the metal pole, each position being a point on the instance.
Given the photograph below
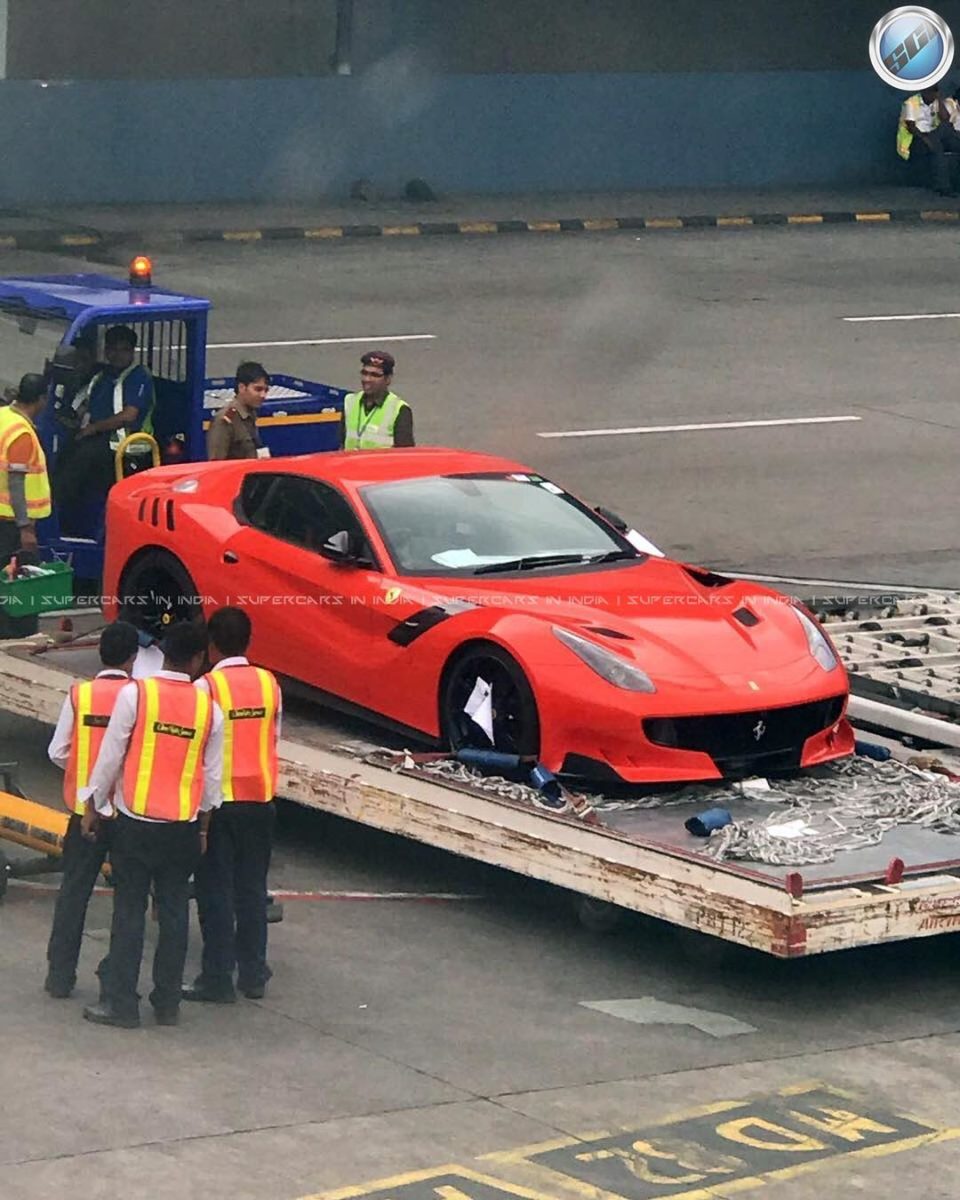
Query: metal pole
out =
(343, 50)
(4, 19)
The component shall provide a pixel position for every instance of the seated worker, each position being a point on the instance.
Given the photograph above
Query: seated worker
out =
(68, 407)
(117, 401)
(375, 418)
(926, 128)
(233, 431)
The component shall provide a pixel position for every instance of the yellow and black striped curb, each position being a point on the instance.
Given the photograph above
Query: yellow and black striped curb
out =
(84, 238)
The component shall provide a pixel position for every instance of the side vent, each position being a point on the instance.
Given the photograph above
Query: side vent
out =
(141, 510)
(155, 512)
(171, 524)
(601, 631)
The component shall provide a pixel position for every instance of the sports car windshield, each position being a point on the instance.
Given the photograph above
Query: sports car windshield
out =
(480, 524)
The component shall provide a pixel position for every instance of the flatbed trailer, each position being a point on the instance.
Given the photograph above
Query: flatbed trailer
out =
(642, 861)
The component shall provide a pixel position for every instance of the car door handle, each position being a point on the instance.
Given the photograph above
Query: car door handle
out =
(230, 557)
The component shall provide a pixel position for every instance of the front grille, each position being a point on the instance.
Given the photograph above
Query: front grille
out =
(769, 739)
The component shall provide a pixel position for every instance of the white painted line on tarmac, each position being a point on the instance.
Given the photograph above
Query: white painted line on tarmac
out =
(907, 317)
(696, 428)
(373, 339)
(35, 885)
(857, 584)
(649, 1011)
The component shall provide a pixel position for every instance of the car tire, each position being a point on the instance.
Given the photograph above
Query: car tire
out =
(516, 722)
(156, 590)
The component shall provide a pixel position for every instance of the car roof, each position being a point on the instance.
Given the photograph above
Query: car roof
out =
(359, 468)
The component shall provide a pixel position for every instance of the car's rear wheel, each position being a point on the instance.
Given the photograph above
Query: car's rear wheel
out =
(156, 591)
(515, 723)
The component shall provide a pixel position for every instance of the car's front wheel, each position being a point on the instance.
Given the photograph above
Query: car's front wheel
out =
(511, 724)
(156, 591)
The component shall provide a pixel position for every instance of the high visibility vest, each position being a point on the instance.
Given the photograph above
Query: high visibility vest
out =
(365, 430)
(82, 398)
(93, 704)
(37, 485)
(163, 768)
(904, 136)
(249, 698)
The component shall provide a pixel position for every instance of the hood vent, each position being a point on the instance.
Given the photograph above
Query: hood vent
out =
(746, 617)
(601, 631)
(707, 579)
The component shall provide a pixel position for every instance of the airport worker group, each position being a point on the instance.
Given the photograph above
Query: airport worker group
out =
(150, 766)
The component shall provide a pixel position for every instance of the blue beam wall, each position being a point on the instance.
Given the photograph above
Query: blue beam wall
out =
(301, 139)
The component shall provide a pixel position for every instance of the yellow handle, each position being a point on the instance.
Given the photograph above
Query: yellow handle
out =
(129, 440)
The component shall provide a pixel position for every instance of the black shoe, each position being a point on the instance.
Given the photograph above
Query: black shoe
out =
(104, 1014)
(256, 991)
(59, 989)
(167, 1016)
(209, 995)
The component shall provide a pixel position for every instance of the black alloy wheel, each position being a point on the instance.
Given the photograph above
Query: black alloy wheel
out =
(516, 724)
(156, 591)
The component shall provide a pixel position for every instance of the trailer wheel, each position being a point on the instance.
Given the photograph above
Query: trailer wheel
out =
(516, 723)
(597, 915)
(156, 590)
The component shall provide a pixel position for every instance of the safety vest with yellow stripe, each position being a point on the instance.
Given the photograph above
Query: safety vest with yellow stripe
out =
(13, 425)
(163, 768)
(82, 399)
(249, 698)
(93, 704)
(370, 430)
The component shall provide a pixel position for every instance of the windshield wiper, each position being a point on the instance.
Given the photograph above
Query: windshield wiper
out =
(616, 556)
(529, 562)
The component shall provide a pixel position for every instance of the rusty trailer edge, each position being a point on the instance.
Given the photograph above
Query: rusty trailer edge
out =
(743, 908)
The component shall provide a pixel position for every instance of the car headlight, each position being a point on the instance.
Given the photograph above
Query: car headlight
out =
(819, 647)
(608, 666)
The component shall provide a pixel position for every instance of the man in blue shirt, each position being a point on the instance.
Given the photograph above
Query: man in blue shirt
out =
(117, 401)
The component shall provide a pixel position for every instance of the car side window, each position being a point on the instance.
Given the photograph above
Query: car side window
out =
(302, 511)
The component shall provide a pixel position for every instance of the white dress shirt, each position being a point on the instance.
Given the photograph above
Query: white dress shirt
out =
(107, 777)
(149, 662)
(59, 749)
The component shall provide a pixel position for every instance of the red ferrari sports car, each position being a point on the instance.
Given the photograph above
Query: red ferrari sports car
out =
(471, 601)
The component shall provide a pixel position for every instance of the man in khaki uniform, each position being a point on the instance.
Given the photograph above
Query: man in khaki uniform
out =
(233, 431)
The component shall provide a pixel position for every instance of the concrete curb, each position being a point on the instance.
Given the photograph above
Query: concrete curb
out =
(48, 239)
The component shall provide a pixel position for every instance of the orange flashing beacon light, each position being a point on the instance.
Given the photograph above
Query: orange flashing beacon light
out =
(141, 271)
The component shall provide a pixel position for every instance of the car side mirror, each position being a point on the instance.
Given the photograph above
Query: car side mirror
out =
(612, 519)
(343, 547)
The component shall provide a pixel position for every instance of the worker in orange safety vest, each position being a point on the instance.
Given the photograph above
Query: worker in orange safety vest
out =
(74, 748)
(231, 881)
(159, 771)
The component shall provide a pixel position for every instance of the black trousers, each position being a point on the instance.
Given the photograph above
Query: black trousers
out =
(82, 863)
(164, 854)
(9, 541)
(85, 473)
(231, 888)
(933, 146)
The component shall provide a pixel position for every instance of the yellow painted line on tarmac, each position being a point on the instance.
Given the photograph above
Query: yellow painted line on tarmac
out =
(324, 231)
(477, 226)
(543, 226)
(663, 223)
(443, 1186)
(78, 239)
(8, 243)
(401, 231)
(723, 222)
(937, 214)
(599, 224)
(242, 235)
(872, 216)
(805, 219)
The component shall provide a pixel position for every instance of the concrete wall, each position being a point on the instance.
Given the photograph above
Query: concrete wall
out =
(207, 140)
(473, 95)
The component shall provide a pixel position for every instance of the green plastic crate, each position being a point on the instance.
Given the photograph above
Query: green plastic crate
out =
(34, 594)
